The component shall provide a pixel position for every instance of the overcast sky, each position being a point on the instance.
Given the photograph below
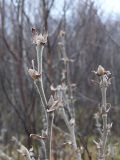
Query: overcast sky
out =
(109, 7)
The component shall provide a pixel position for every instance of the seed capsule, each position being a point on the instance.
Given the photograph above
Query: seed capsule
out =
(101, 71)
(34, 74)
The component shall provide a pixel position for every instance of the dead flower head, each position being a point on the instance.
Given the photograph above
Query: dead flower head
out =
(101, 71)
(62, 33)
(53, 104)
(34, 74)
(39, 39)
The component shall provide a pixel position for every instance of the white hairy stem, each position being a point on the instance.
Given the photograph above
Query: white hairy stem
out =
(44, 148)
(103, 91)
(40, 89)
(67, 68)
(44, 109)
(72, 134)
(104, 136)
(40, 70)
(51, 131)
(39, 84)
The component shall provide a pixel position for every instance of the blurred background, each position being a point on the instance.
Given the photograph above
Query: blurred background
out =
(92, 37)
